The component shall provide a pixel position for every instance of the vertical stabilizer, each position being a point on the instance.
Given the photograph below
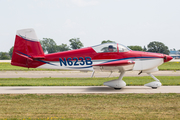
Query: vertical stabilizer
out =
(27, 48)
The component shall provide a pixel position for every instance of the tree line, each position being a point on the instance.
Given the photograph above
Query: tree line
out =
(50, 46)
(155, 46)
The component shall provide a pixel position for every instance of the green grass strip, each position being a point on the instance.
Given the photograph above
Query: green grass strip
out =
(90, 106)
(8, 67)
(130, 81)
(170, 66)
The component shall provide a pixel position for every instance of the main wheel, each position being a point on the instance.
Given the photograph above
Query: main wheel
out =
(154, 87)
(117, 88)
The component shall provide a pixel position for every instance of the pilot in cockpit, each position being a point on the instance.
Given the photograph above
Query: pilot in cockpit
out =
(110, 48)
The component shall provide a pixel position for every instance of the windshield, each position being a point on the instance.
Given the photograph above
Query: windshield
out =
(110, 47)
(107, 47)
(123, 48)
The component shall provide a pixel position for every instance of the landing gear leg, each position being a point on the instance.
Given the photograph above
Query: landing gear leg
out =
(92, 73)
(118, 83)
(155, 84)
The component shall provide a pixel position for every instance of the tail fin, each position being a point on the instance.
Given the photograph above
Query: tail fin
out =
(27, 49)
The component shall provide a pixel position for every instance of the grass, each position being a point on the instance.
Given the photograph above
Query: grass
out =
(9, 67)
(130, 81)
(90, 106)
(170, 66)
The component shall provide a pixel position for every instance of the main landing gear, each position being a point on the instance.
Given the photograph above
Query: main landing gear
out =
(117, 84)
(155, 84)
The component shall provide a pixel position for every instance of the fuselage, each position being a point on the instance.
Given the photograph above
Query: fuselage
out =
(85, 58)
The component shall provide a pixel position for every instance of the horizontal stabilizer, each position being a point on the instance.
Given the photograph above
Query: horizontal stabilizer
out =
(24, 56)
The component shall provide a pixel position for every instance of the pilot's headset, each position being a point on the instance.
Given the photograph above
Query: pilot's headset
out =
(110, 46)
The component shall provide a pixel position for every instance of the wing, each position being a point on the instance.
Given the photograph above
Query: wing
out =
(121, 65)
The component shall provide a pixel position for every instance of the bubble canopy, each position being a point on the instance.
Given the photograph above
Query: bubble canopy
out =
(110, 47)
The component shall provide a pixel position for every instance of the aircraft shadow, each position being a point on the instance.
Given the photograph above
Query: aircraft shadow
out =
(19, 89)
(108, 89)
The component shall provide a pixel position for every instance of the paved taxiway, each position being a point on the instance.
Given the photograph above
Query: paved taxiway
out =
(86, 89)
(57, 74)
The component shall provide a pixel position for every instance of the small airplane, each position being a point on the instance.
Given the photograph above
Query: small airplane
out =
(108, 57)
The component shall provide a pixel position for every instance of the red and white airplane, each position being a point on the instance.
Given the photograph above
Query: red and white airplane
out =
(111, 57)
